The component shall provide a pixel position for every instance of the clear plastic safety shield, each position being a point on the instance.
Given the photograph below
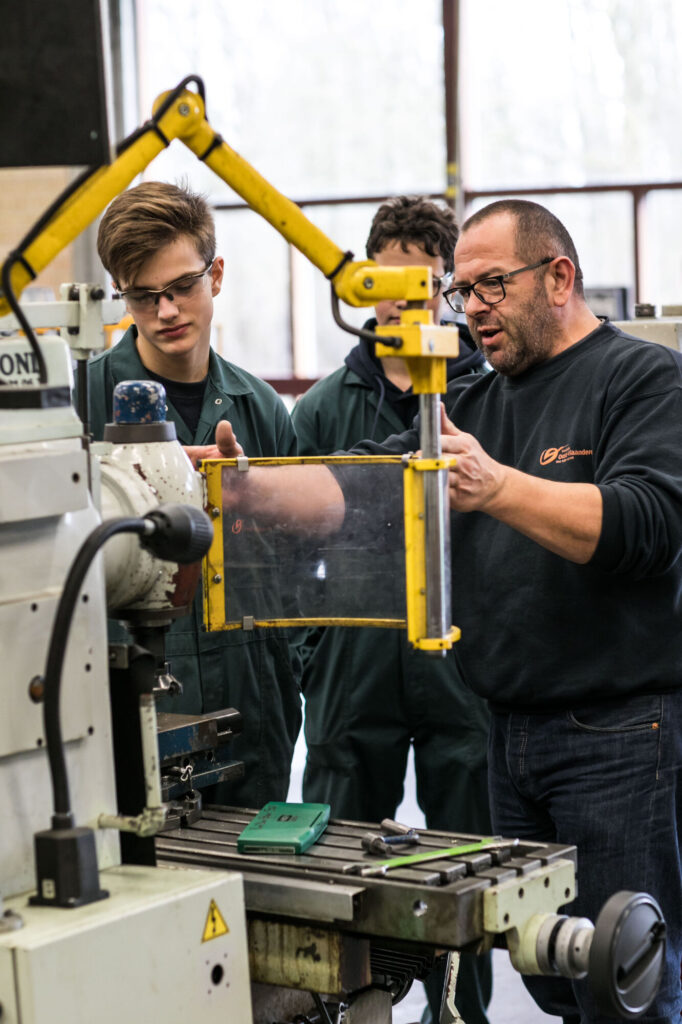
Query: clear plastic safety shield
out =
(306, 541)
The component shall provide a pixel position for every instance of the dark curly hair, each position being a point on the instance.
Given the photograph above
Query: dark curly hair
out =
(416, 220)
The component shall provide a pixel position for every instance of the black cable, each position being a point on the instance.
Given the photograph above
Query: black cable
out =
(13, 258)
(88, 172)
(361, 332)
(346, 258)
(216, 141)
(153, 123)
(17, 256)
(55, 206)
(172, 532)
(62, 818)
(174, 93)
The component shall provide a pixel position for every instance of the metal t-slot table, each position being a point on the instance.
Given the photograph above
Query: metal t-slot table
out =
(380, 930)
(360, 925)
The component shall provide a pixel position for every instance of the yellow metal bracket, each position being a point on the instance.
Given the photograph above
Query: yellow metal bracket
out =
(425, 347)
(213, 565)
(415, 566)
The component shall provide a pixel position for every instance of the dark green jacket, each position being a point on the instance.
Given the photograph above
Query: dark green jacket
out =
(251, 671)
(340, 410)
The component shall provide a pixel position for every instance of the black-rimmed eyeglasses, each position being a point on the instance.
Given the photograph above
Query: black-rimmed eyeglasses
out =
(489, 290)
(143, 299)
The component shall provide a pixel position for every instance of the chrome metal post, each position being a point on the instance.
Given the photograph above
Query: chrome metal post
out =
(437, 523)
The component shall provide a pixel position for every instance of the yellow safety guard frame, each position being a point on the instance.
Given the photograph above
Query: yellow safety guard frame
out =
(415, 569)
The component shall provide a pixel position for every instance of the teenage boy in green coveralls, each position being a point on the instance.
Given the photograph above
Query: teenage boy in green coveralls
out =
(158, 243)
(369, 696)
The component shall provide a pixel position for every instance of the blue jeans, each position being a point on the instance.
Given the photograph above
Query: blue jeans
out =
(605, 778)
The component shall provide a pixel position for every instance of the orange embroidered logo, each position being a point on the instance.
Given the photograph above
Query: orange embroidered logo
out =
(563, 454)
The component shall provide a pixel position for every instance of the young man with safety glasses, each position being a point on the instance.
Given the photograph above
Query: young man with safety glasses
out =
(158, 243)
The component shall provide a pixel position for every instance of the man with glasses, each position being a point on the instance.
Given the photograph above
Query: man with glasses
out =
(158, 243)
(369, 696)
(566, 499)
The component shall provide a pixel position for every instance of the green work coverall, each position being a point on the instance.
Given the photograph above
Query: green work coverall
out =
(368, 694)
(252, 670)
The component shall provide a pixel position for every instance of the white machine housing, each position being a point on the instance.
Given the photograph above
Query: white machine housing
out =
(152, 950)
(46, 511)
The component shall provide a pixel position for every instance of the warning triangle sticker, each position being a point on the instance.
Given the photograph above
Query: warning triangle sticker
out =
(215, 923)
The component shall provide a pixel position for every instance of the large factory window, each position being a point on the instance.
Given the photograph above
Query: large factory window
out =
(661, 244)
(251, 322)
(570, 96)
(575, 92)
(327, 345)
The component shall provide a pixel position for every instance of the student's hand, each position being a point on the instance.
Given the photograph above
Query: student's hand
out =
(197, 452)
(226, 447)
(226, 441)
(474, 479)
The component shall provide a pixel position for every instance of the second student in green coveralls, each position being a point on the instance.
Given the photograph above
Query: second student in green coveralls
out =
(369, 695)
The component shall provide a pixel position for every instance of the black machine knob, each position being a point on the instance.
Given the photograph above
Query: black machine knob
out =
(181, 533)
(627, 954)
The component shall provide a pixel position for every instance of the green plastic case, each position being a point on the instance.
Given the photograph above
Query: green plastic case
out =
(284, 828)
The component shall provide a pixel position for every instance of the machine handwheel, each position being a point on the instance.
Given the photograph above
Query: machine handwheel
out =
(627, 954)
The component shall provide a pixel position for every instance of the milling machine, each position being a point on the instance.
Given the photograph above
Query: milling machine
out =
(332, 932)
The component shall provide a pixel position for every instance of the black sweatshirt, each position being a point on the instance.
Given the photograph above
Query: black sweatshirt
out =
(541, 633)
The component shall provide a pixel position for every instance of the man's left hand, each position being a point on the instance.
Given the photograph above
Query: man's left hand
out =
(565, 518)
(474, 479)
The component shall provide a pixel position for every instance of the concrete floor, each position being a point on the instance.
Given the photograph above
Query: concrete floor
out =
(511, 1003)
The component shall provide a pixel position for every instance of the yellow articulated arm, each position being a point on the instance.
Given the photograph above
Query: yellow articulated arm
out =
(80, 209)
(358, 283)
(180, 114)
